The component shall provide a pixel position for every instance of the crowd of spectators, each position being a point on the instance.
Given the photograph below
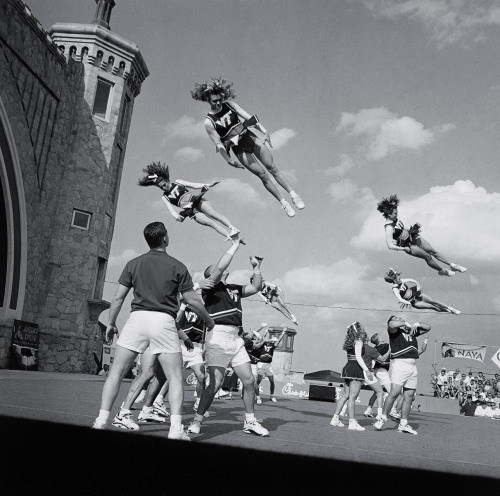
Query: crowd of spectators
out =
(477, 395)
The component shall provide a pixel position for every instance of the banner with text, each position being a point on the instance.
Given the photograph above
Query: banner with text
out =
(25, 341)
(455, 350)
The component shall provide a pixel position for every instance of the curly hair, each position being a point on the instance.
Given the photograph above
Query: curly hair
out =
(216, 86)
(355, 331)
(391, 275)
(387, 205)
(154, 172)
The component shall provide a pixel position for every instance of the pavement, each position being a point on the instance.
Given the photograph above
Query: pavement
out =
(46, 419)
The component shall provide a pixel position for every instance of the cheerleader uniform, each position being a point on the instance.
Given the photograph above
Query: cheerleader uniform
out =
(180, 196)
(401, 235)
(352, 369)
(409, 291)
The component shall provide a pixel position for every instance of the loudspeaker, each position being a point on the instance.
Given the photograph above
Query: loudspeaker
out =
(322, 393)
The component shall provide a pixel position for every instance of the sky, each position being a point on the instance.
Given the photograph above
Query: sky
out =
(363, 99)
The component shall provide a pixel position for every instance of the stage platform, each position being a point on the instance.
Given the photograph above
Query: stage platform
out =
(48, 445)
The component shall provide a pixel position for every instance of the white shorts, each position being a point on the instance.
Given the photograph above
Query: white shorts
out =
(154, 329)
(224, 348)
(368, 382)
(191, 357)
(265, 369)
(254, 369)
(403, 371)
(383, 376)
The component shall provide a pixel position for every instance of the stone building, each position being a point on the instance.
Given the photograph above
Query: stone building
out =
(66, 102)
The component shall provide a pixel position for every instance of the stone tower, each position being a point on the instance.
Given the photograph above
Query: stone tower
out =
(66, 101)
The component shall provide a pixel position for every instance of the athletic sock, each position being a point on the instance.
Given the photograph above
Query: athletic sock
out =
(283, 201)
(335, 417)
(403, 422)
(352, 421)
(104, 416)
(124, 411)
(147, 409)
(159, 399)
(176, 421)
(293, 194)
(249, 417)
(379, 411)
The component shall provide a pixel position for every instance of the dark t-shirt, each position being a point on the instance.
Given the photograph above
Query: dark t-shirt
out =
(383, 348)
(267, 352)
(156, 278)
(369, 356)
(223, 303)
(468, 409)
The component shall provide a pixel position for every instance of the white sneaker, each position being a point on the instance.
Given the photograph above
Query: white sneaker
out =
(233, 233)
(254, 427)
(294, 320)
(446, 272)
(160, 409)
(354, 426)
(141, 397)
(454, 310)
(259, 401)
(273, 399)
(124, 421)
(180, 434)
(457, 268)
(379, 424)
(408, 429)
(394, 414)
(145, 417)
(288, 209)
(98, 424)
(336, 422)
(298, 202)
(378, 417)
(194, 427)
(368, 413)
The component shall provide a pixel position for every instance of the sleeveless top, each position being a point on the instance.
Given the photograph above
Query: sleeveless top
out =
(225, 120)
(403, 345)
(399, 234)
(223, 303)
(176, 193)
(408, 290)
(192, 325)
(351, 354)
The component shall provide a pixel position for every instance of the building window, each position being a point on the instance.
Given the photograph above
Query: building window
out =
(101, 101)
(99, 279)
(81, 219)
(125, 114)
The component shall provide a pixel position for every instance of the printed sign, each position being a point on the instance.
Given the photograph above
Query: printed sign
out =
(496, 358)
(453, 350)
(25, 340)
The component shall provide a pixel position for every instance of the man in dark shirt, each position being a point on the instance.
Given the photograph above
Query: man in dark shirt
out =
(264, 365)
(156, 279)
(468, 408)
(223, 345)
(403, 371)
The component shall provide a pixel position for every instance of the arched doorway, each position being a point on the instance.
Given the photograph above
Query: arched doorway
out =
(12, 225)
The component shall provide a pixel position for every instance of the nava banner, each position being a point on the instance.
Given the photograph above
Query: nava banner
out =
(25, 342)
(454, 350)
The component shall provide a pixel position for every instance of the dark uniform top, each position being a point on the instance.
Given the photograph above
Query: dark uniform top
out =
(403, 344)
(383, 348)
(192, 325)
(225, 120)
(223, 303)
(267, 352)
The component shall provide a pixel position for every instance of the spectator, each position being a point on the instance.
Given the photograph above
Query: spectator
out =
(468, 408)
(468, 379)
(489, 409)
(480, 409)
(496, 398)
(441, 379)
(496, 412)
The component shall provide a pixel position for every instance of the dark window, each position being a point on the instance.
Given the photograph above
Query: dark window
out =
(102, 98)
(81, 219)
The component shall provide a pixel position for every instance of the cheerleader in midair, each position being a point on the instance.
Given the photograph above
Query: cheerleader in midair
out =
(176, 193)
(400, 238)
(232, 128)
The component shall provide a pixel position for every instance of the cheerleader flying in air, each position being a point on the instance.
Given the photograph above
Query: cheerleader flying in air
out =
(409, 293)
(274, 296)
(176, 193)
(232, 128)
(400, 238)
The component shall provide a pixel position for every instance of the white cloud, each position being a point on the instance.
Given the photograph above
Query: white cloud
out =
(186, 128)
(239, 192)
(346, 164)
(341, 280)
(449, 20)
(281, 137)
(122, 258)
(189, 154)
(387, 133)
(345, 191)
(460, 220)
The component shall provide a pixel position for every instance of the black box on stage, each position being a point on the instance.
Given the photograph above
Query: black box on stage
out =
(322, 393)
